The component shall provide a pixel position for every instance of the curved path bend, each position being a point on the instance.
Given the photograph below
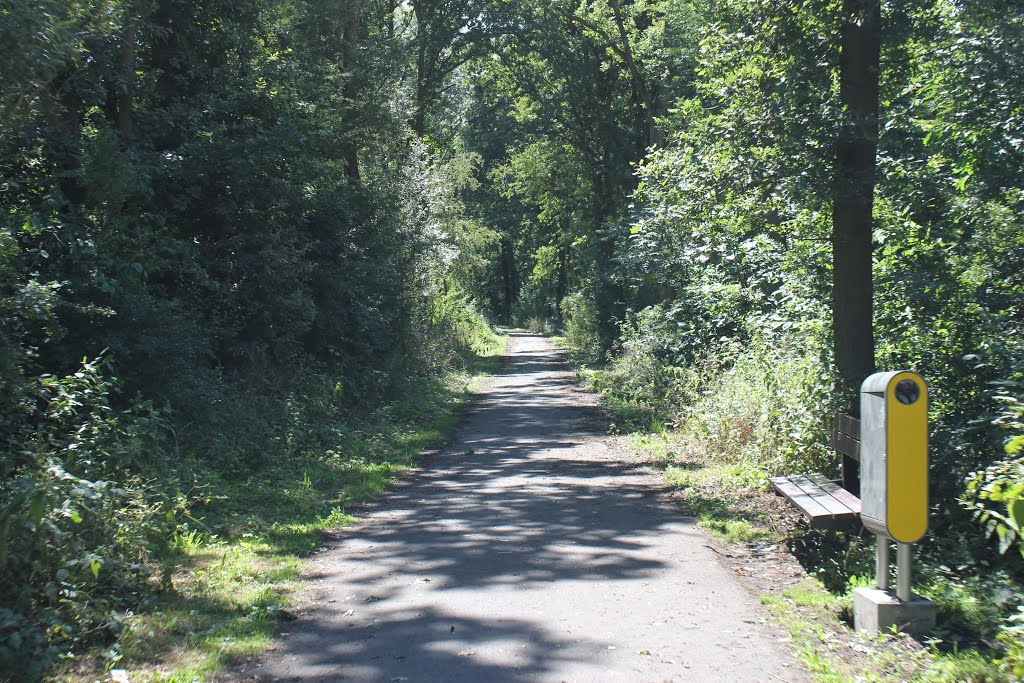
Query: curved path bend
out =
(528, 550)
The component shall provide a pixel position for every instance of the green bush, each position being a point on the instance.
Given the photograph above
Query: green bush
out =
(1012, 639)
(456, 332)
(764, 406)
(82, 534)
(580, 327)
(769, 411)
(643, 386)
(996, 494)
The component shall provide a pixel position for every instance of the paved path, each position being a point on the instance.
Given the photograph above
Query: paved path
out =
(529, 550)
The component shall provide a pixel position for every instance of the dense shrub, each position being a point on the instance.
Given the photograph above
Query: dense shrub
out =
(768, 412)
(86, 522)
(580, 326)
(996, 494)
(456, 332)
(228, 202)
(763, 406)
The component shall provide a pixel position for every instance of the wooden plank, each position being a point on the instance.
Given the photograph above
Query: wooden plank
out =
(795, 494)
(825, 506)
(846, 444)
(848, 424)
(838, 523)
(846, 498)
(820, 495)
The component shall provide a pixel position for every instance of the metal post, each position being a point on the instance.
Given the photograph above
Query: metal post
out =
(903, 590)
(882, 562)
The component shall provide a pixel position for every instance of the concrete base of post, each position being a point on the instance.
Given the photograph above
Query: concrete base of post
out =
(876, 611)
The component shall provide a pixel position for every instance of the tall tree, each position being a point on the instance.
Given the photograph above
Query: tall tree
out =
(853, 192)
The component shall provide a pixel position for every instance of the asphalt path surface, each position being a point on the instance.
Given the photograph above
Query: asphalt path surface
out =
(531, 549)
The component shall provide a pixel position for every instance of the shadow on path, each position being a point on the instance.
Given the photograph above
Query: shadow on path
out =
(525, 552)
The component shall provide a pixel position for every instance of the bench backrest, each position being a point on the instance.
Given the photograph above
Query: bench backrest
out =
(846, 441)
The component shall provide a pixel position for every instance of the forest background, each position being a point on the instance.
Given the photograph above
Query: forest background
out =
(244, 245)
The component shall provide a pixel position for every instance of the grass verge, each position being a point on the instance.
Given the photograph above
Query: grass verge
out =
(238, 562)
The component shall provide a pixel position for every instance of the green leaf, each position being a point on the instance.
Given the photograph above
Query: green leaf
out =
(95, 566)
(37, 506)
(1015, 511)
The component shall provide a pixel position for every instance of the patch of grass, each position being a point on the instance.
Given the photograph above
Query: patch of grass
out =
(628, 413)
(736, 530)
(810, 614)
(714, 493)
(238, 565)
(658, 449)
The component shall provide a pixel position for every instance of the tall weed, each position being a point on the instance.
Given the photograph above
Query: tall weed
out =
(581, 327)
(763, 406)
(768, 411)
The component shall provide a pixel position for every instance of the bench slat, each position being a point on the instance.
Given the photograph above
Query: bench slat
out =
(825, 504)
(820, 501)
(846, 444)
(810, 507)
(849, 500)
(820, 496)
(848, 424)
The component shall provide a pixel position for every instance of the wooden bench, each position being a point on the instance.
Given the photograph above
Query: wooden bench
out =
(825, 503)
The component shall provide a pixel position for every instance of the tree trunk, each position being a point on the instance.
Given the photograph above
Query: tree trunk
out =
(644, 102)
(562, 284)
(419, 124)
(605, 295)
(350, 50)
(853, 195)
(508, 277)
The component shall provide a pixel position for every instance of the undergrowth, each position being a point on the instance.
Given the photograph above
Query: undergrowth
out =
(236, 557)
